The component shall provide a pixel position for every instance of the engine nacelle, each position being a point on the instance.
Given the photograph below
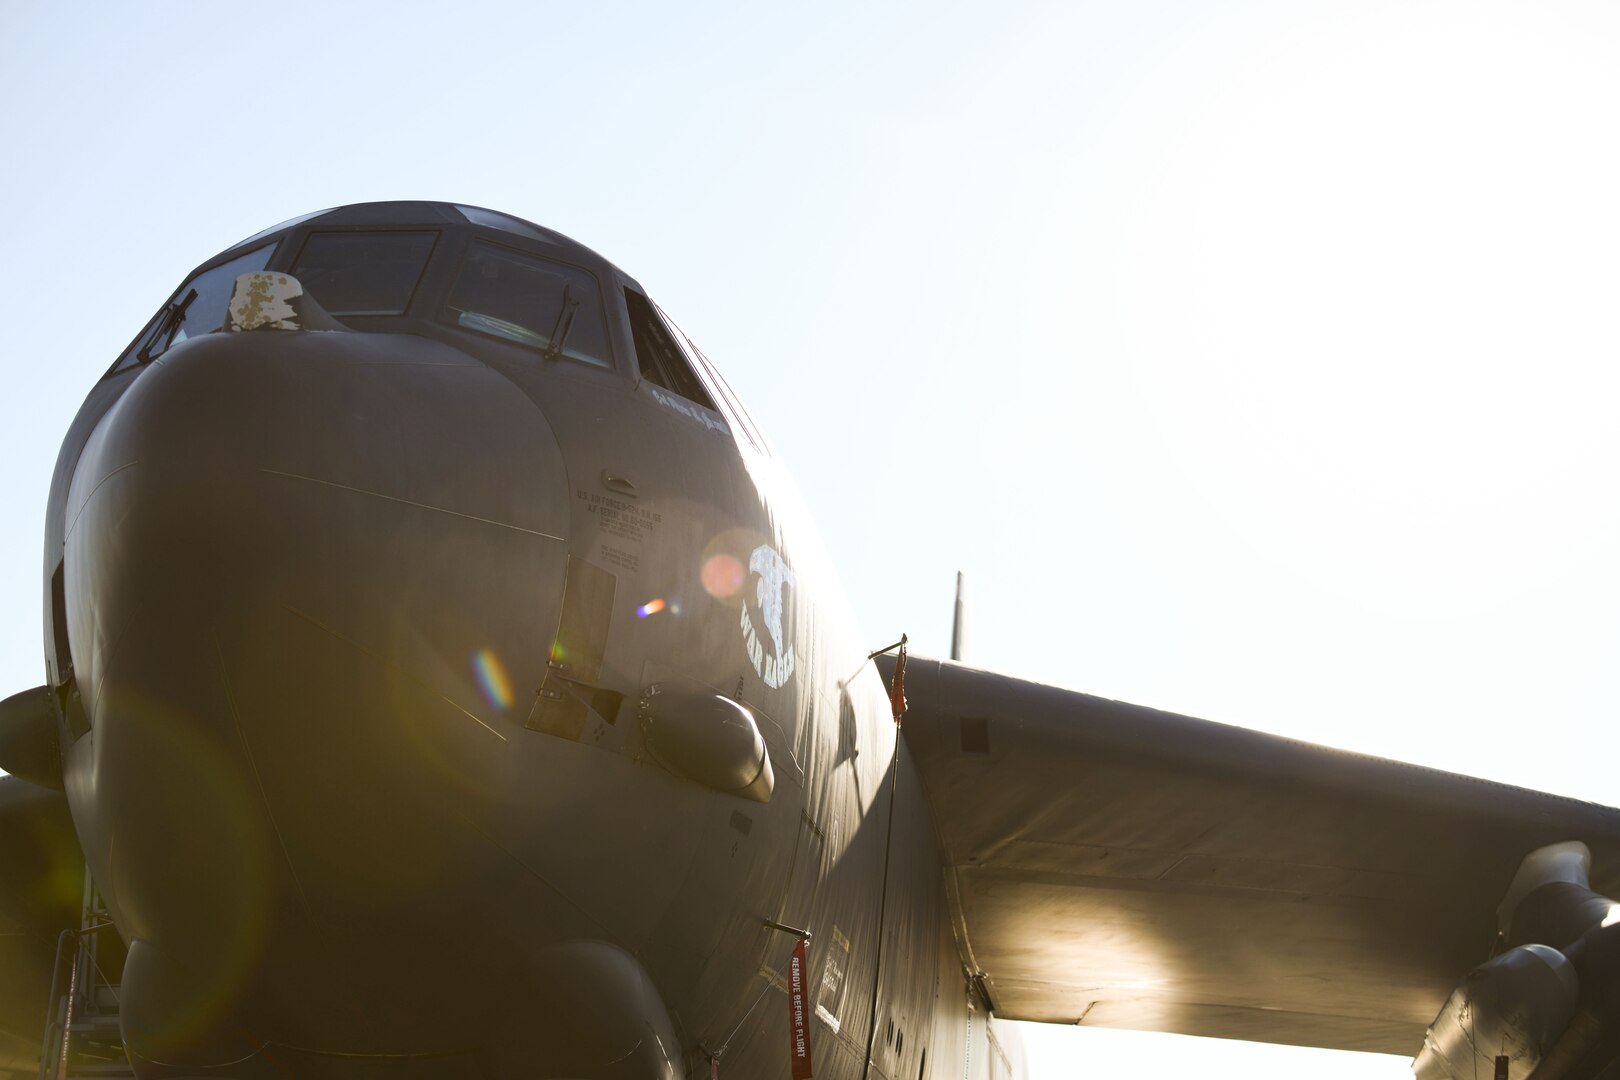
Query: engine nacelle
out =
(1519, 1006)
(1514, 1006)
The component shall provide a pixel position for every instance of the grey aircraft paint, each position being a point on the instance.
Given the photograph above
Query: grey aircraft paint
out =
(444, 680)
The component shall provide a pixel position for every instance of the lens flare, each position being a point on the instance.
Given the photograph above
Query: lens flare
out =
(723, 575)
(492, 678)
(651, 607)
(206, 801)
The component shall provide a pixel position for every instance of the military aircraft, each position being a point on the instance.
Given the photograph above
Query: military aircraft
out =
(444, 680)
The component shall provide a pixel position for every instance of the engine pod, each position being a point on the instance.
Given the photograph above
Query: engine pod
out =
(1515, 1005)
(708, 738)
(29, 746)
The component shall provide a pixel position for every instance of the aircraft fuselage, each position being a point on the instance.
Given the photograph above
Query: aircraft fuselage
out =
(453, 686)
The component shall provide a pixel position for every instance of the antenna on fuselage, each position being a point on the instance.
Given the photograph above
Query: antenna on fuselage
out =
(958, 624)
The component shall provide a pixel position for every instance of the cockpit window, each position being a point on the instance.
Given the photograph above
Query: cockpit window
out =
(733, 406)
(494, 219)
(289, 223)
(363, 273)
(660, 358)
(534, 302)
(198, 308)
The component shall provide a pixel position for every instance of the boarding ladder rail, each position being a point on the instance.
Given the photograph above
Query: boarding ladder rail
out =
(82, 1036)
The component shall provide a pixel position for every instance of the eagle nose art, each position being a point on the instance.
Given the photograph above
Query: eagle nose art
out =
(302, 586)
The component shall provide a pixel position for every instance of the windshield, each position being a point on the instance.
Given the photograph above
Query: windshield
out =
(533, 302)
(198, 308)
(363, 273)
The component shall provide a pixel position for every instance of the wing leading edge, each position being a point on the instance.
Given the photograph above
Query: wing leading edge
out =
(1116, 866)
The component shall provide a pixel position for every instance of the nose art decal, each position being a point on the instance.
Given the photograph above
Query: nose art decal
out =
(775, 581)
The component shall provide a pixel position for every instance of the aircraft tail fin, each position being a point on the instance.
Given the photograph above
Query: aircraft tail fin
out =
(958, 624)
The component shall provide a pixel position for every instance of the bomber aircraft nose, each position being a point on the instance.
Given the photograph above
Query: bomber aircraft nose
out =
(300, 588)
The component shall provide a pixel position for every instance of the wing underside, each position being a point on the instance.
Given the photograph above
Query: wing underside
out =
(1116, 866)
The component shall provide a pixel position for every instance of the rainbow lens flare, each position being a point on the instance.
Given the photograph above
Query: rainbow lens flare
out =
(651, 607)
(723, 575)
(492, 678)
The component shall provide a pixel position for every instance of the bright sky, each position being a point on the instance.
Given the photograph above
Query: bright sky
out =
(1254, 359)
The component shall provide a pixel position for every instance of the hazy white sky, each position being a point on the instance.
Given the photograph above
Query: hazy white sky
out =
(1255, 359)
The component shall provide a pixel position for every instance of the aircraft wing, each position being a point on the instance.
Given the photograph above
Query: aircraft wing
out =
(1116, 866)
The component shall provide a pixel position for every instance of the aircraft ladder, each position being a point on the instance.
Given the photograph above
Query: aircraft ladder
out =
(82, 1037)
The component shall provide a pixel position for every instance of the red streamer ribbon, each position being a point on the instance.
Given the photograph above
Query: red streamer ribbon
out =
(798, 1016)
